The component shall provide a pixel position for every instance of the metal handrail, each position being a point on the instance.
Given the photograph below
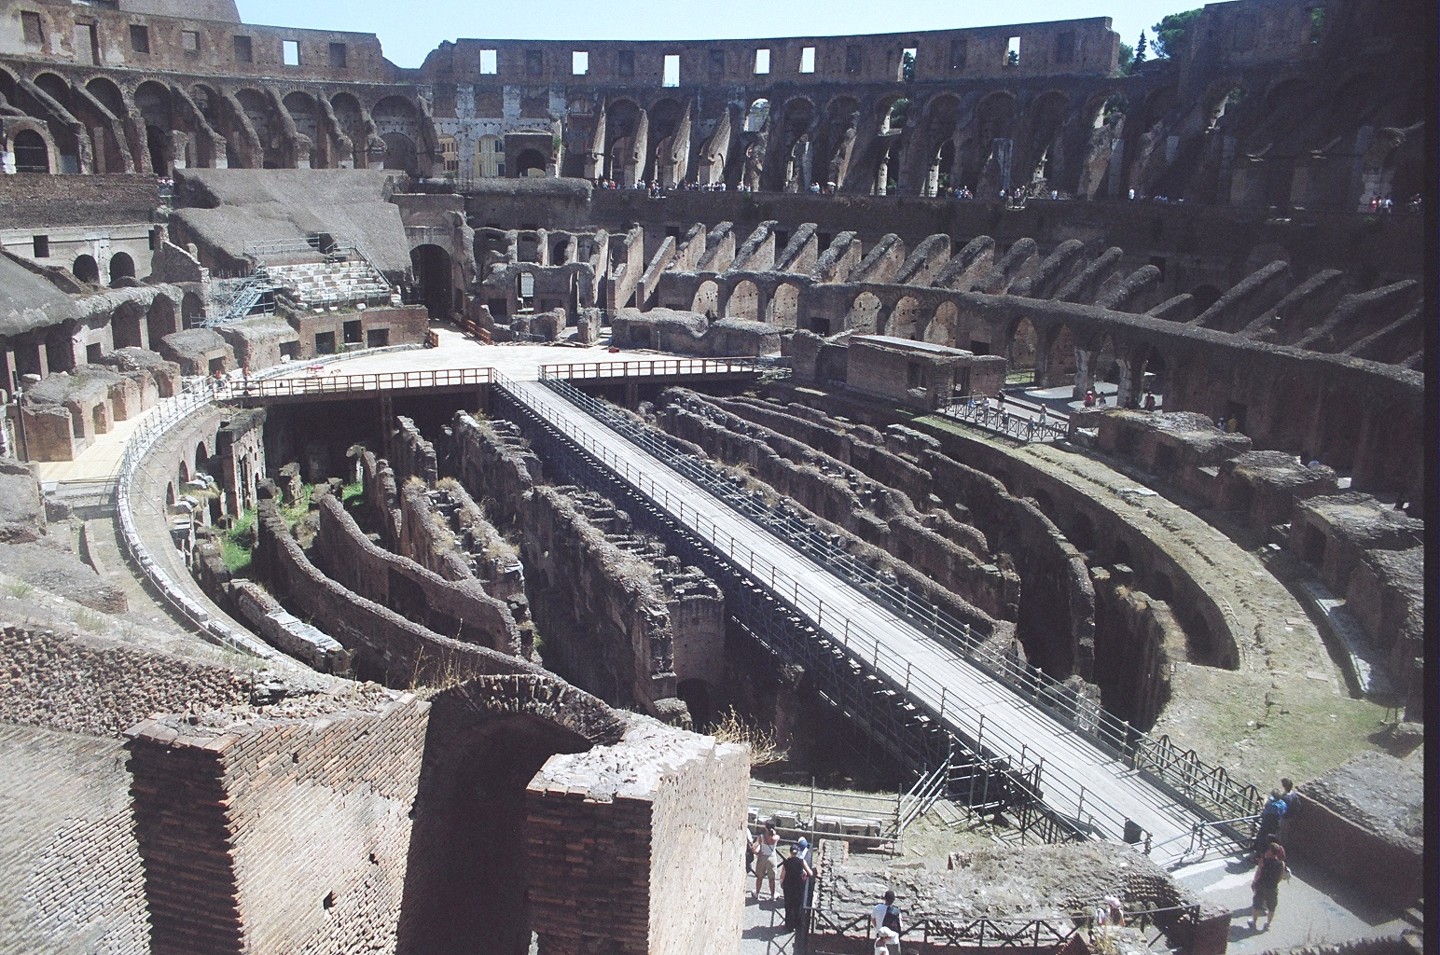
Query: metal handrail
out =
(648, 367)
(1021, 427)
(1205, 789)
(374, 381)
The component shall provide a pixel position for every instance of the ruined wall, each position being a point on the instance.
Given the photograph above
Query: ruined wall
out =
(278, 833)
(1138, 643)
(96, 686)
(388, 648)
(615, 886)
(458, 609)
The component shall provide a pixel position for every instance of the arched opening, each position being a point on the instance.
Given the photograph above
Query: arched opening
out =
(31, 152)
(160, 320)
(301, 108)
(756, 116)
(86, 269)
(986, 160)
(1044, 144)
(707, 299)
(153, 102)
(905, 319)
(1021, 352)
(108, 94)
(399, 152)
(1151, 378)
(863, 314)
(530, 163)
(432, 268)
(466, 882)
(1060, 365)
(192, 310)
(121, 267)
(784, 305)
(351, 122)
(837, 140)
(744, 301)
(125, 326)
(257, 109)
(700, 699)
(941, 328)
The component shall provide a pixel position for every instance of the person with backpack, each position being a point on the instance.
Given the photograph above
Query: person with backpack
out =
(1270, 815)
(885, 919)
(1265, 886)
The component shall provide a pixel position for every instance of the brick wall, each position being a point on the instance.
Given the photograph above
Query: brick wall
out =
(635, 848)
(71, 879)
(279, 834)
(91, 685)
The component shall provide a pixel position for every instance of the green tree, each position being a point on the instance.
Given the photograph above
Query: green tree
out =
(1140, 47)
(1172, 31)
(907, 67)
(1126, 60)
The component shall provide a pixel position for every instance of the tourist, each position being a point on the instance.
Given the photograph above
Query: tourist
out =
(1089, 401)
(1290, 795)
(749, 850)
(794, 873)
(885, 920)
(1149, 400)
(1270, 815)
(764, 846)
(1114, 912)
(1265, 886)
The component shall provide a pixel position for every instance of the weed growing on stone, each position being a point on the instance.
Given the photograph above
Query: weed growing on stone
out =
(732, 728)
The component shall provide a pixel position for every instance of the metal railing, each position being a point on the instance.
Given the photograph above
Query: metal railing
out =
(318, 383)
(650, 368)
(1019, 426)
(1205, 789)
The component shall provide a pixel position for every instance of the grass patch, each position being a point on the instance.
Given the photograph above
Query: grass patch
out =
(351, 491)
(237, 545)
(293, 513)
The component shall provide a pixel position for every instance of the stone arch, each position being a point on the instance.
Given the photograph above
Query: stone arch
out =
(665, 115)
(160, 319)
(757, 114)
(940, 122)
(707, 299)
(793, 171)
(153, 101)
(125, 326)
(621, 124)
(744, 301)
(1022, 346)
(836, 138)
(784, 305)
(985, 160)
(86, 269)
(485, 741)
(1056, 364)
(863, 314)
(32, 151)
(1150, 370)
(399, 152)
(256, 107)
(303, 112)
(350, 119)
(940, 330)
(192, 310)
(1043, 161)
(122, 266)
(906, 318)
(435, 276)
(530, 163)
(104, 89)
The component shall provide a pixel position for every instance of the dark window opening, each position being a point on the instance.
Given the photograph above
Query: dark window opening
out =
(41, 245)
(30, 25)
(534, 63)
(243, 51)
(717, 63)
(377, 338)
(139, 38)
(852, 59)
(324, 343)
(352, 332)
(338, 56)
(957, 54)
(625, 63)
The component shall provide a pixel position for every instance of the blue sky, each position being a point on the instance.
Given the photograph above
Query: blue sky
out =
(410, 29)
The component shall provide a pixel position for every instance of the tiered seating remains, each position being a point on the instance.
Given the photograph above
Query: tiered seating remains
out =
(346, 283)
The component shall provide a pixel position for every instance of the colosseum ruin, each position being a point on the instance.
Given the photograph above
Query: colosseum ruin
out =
(457, 509)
